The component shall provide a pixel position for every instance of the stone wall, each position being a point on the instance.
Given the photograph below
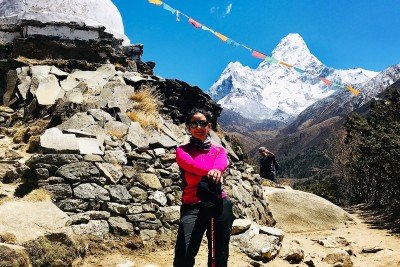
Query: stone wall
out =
(106, 171)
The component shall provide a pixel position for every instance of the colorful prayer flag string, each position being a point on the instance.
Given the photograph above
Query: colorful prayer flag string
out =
(254, 53)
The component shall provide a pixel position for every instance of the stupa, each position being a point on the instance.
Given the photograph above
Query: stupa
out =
(68, 19)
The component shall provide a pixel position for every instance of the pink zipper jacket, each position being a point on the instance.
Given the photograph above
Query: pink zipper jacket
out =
(194, 164)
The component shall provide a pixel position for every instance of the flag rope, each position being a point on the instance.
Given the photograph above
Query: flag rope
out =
(254, 53)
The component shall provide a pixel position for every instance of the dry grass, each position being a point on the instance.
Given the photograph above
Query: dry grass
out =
(31, 61)
(146, 108)
(38, 195)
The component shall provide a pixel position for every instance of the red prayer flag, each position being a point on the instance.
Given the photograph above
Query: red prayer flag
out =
(194, 23)
(258, 55)
(326, 81)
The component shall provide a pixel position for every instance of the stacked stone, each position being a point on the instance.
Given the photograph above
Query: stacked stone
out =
(124, 189)
(110, 174)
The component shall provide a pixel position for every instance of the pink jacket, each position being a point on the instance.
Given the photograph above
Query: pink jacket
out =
(194, 164)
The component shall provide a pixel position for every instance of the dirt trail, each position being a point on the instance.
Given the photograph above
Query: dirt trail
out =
(359, 235)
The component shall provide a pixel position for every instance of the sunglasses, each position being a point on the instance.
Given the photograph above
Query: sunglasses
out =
(195, 124)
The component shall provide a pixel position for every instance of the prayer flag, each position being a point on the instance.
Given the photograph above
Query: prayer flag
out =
(299, 70)
(231, 42)
(338, 85)
(206, 28)
(285, 64)
(326, 81)
(258, 55)
(167, 7)
(220, 36)
(194, 23)
(352, 90)
(271, 60)
(177, 16)
(156, 2)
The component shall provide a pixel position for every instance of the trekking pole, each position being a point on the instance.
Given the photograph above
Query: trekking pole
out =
(212, 242)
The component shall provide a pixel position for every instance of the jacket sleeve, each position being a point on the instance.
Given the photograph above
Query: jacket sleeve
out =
(186, 162)
(221, 161)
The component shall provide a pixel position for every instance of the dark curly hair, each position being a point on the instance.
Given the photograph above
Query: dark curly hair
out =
(206, 113)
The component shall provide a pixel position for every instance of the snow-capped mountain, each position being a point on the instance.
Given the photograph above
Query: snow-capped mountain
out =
(274, 92)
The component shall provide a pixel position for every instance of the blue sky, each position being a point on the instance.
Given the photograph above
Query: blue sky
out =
(342, 34)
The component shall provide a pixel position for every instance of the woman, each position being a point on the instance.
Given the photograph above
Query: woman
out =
(199, 159)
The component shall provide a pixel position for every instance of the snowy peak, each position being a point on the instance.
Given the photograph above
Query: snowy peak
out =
(293, 50)
(274, 92)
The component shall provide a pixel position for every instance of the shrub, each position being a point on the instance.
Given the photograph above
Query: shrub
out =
(146, 108)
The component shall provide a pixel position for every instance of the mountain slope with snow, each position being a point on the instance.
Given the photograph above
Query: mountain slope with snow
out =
(276, 93)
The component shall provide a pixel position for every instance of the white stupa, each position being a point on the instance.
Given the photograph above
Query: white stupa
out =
(55, 14)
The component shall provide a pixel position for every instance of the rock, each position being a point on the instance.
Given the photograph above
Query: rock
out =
(115, 157)
(171, 214)
(59, 191)
(128, 171)
(92, 158)
(54, 141)
(54, 159)
(94, 227)
(371, 250)
(120, 226)
(78, 121)
(240, 226)
(74, 96)
(38, 218)
(119, 193)
(262, 247)
(69, 83)
(333, 242)
(149, 180)
(297, 211)
(72, 204)
(126, 264)
(39, 70)
(139, 195)
(137, 136)
(116, 129)
(91, 191)
(159, 198)
(88, 146)
(99, 132)
(110, 172)
(168, 158)
(24, 87)
(158, 139)
(56, 71)
(100, 115)
(121, 98)
(295, 255)
(272, 231)
(338, 256)
(148, 235)
(117, 208)
(9, 97)
(78, 172)
(95, 80)
(47, 90)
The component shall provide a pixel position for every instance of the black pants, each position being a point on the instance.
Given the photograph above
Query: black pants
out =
(195, 220)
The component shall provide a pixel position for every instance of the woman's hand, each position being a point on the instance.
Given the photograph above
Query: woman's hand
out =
(215, 176)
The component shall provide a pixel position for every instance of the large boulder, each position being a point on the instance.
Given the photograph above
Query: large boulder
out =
(30, 220)
(297, 211)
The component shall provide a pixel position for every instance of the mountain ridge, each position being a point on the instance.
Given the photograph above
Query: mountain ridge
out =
(277, 93)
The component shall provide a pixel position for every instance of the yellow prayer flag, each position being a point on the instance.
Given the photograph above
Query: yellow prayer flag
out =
(353, 90)
(285, 64)
(156, 2)
(220, 36)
